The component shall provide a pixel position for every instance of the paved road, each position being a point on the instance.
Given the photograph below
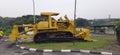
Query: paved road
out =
(66, 54)
(7, 49)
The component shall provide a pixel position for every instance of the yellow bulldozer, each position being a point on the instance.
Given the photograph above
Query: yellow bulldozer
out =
(49, 29)
(1, 33)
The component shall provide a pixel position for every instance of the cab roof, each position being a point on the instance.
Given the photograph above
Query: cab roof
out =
(49, 13)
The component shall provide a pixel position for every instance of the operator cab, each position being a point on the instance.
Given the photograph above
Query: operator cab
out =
(47, 21)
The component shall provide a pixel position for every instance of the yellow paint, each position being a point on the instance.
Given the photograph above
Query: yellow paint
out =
(1, 33)
(64, 25)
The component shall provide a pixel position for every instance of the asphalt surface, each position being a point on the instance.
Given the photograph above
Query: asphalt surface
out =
(67, 54)
(8, 48)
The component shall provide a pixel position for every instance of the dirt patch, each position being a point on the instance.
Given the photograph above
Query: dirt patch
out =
(111, 47)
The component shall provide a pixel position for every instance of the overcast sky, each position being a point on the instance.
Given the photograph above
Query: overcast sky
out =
(89, 9)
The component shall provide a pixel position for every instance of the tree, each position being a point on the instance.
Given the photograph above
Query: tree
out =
(117, 23)
(82, 22)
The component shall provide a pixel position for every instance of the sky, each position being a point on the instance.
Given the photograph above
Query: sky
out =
(89, 9)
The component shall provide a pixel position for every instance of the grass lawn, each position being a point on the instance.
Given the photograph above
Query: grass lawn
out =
(101, 42)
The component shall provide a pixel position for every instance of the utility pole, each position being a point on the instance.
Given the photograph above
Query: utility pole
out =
(75, 13)
(75, 19)
(109, 17)
(34, 11)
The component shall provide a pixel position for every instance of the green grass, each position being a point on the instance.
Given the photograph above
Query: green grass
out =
(102, 41)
